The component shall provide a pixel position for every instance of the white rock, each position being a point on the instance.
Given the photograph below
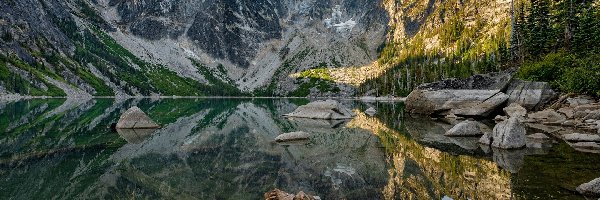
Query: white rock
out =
(293, 136)
(578, 137)
(591, 188)
(509, 134)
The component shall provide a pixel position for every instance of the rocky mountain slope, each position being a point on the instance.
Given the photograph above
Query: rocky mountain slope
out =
(216, 47)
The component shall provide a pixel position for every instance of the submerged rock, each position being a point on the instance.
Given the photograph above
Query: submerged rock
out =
(466, 128)
(293, 136)
(578, 137)
(135, 118)
(591, 188)
(531, 95)
(329, 109)
(509, 134)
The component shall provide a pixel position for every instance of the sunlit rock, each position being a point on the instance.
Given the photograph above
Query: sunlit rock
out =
(329, 109)
(135, 118)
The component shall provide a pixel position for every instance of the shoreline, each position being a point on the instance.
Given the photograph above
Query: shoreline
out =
(12, 97)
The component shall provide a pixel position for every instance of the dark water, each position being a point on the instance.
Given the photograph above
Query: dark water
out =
(223, 149)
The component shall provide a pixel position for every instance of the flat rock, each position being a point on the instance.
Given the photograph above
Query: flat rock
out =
(538, 136)
(530, 95)
(548, 116)
(293, 136)
(595, 115)
(509, 134)
(578, 137)
(580, 100)
(135, 118)
(515, 110)
(466, 128)
(329, 109)
(591, 188)
(567, 111)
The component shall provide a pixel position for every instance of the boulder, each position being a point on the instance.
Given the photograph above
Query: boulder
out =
(515, 110)
(509, 134)
(578, 137)
(478, 95)
(293, 136)
(371, 111)
(531, 95)
(591, 188)
(329, 109)
(466, 128)
(135, 118)
(457, 102)
(548, 116)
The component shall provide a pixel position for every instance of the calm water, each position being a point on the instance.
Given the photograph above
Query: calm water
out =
(223, 149)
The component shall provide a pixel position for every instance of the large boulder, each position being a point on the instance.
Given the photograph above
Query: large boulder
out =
(466, 128)
(591, 188)
(531, 95)
(135, 118)
(478, 95)
(329, 109)
(509, 134)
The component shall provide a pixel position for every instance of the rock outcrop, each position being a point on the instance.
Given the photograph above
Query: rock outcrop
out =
(329, 109)
(591, 188)
(466, 128)
(531, 95)
(135, 118)
(293, 136)
(509, 134)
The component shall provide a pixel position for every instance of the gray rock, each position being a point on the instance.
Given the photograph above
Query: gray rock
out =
(135, 118)
(567, 111)
(578, 137)
(515, 110)
(586, 145)
(538, 136)
(509, 134)
(371, 111)
(531, 95)
(548, 116)
(500, 118)
(595, 115)
(580, 100)
(293, 136)
(458, 102)
(591, 188)
(486, 139)
(329, 109)
(466, 128)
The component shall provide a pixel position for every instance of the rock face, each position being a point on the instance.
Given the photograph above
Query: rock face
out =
(591, 188)
(478, 95)
(466, 128)
(135, 118)
(293, 136)
(509, 134)
(531, 95)
(329, 109)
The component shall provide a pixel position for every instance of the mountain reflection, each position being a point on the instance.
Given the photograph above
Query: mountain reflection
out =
(224, 149)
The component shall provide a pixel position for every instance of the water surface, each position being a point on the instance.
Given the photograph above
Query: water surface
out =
(224, 149)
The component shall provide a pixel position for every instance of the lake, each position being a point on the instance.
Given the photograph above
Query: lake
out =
(224, 149)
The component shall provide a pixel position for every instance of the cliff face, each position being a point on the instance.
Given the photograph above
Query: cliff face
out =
(200, 47)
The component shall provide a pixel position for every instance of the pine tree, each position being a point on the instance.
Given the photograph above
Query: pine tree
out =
(539, 35)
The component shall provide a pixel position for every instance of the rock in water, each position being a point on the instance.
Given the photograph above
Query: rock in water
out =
(135, 118)
(515, 110)
(509, 134)
(478, 95)
(591, 188)
(293, 136)
(329, 109)
(466, 128)
(531, 95)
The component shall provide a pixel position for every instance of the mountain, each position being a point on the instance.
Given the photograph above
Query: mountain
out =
(225, 47)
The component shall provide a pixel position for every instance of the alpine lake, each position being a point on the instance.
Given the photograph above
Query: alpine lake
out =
(211, 148)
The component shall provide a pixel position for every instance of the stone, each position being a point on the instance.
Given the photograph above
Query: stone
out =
(500, 118)
(466, 128)
(595, 115)
(587, 108)
(510, 160)
(277, 194)
(580, 100)
(329, 109)
(486, 139)
(570, 123)
(509, 134)
(578, 137)
(538, 136)
(371, 111)
(135, 136)
(567, 111)
(548, 116)
(530, 95)
(591, 188)
(457, 102)
(292, 136)
(515, 110)
(135, 118)
(586, 145)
